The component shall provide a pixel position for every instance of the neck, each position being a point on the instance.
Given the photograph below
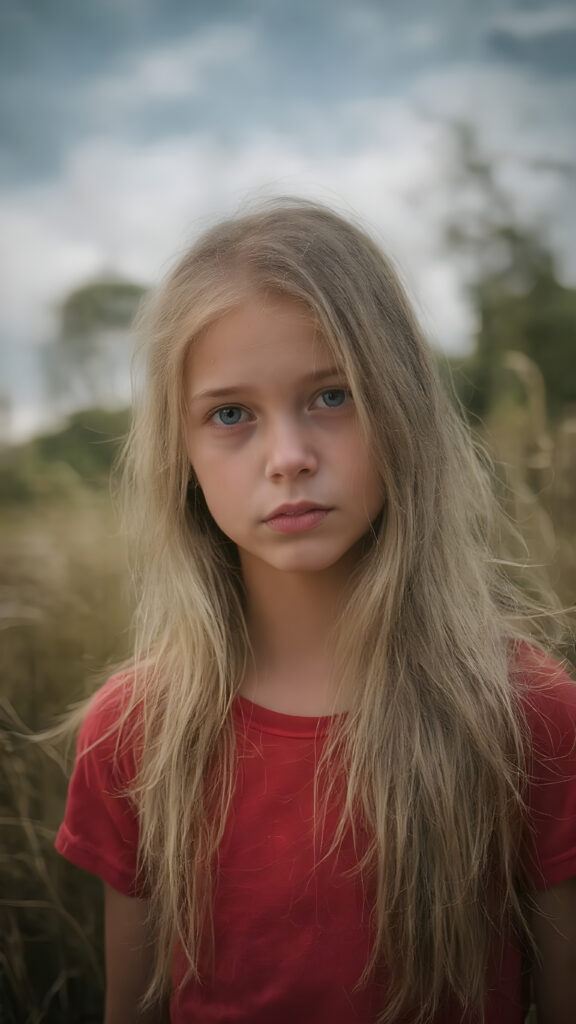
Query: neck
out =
(291, 617)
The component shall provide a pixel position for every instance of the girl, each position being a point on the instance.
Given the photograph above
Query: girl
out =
(337, 781)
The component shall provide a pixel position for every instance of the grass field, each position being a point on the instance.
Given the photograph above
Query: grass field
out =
(64, 616)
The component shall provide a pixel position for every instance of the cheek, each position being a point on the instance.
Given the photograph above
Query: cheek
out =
(369, 485)
(356, 454)
(364, 478)
(219, 478)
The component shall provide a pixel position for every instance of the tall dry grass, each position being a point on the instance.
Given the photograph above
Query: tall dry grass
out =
(63, 617)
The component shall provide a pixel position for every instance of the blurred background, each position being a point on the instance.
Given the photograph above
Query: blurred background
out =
(446, 126)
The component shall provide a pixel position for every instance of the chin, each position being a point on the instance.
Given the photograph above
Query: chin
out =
(306, 563)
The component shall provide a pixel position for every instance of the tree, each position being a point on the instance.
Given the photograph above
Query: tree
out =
(87, 362)
(514, 285)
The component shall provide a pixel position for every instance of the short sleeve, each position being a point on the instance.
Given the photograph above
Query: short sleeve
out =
(549, 696)
(100, 828)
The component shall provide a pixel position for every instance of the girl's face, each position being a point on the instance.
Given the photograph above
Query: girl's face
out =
(275, 441)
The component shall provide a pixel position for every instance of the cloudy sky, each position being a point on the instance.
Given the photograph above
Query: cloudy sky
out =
(128, 125)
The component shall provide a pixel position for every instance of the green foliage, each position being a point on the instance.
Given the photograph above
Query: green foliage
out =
(54, 465)
(99, 305)
(550, 338)
(515, 290)
(88, 443)
(540, 322)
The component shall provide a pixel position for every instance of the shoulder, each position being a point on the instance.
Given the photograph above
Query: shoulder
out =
(548, 699)
(100, 829)
(111, 727)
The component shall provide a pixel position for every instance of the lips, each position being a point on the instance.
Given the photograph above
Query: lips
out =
(296, 509)
(298, 517)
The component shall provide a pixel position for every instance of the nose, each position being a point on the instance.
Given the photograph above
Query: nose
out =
(289, 450)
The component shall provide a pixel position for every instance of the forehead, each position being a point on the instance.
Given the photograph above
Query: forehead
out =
(264, 339)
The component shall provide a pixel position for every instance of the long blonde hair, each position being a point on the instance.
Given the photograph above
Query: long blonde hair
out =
(432, 748)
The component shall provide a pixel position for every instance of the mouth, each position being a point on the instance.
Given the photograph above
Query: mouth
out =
(296, 508)
(297, 518)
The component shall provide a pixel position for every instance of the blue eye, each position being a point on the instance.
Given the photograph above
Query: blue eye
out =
(334, 397)
(229, 415)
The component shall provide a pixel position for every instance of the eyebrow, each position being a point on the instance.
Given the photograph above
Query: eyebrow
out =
(235, 389)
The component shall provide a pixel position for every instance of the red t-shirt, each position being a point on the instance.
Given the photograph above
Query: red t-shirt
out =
(292, 937)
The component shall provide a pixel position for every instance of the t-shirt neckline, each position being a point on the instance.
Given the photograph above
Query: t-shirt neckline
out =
(263, 719)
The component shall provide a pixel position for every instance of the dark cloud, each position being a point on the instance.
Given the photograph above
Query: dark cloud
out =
(52, 53)
(551, 52)
(52, 50)
(309, 57)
